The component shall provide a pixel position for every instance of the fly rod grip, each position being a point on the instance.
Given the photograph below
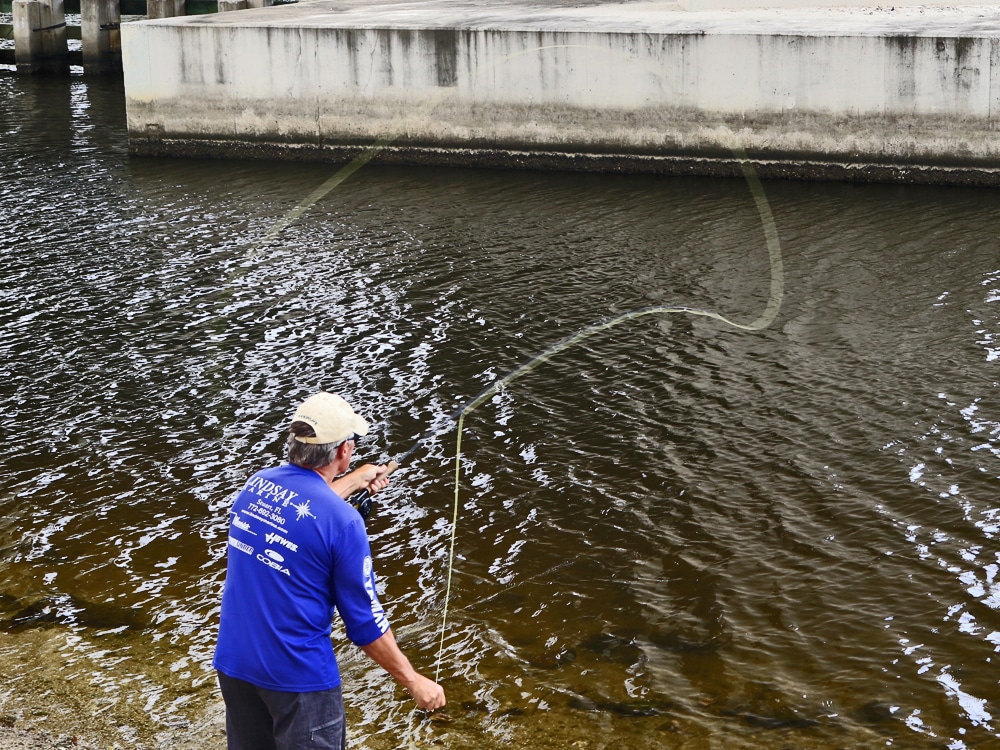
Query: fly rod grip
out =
(362, 501)
(391, 467)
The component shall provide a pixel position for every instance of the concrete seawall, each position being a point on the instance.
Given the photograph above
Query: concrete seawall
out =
(911, 94)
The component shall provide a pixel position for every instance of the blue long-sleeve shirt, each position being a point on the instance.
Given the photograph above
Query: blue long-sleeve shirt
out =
(297, 552)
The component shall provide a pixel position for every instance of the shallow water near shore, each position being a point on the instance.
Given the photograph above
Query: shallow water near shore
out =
(674, 535)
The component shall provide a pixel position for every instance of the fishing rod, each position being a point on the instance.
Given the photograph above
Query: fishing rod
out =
(363, 500)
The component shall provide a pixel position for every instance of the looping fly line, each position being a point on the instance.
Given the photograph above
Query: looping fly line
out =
(498, 386)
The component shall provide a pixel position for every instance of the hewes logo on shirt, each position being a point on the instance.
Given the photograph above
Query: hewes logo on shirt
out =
(281, 542)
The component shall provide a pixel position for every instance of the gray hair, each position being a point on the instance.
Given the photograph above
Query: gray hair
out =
(307, 455)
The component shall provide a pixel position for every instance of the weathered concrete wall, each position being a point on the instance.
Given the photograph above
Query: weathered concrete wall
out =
(670, 91)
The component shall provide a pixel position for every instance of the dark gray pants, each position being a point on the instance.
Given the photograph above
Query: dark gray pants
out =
(259, 719)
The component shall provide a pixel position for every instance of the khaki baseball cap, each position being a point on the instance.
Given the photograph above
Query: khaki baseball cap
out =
(331, 417)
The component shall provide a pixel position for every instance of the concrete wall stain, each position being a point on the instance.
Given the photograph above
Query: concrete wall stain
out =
(900, 66)
(597, 98)
(445, 43)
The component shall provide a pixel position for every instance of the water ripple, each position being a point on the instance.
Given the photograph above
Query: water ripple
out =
(677, 534)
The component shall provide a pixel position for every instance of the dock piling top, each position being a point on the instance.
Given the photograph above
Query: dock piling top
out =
(39, 35)
(100, 22)
(164, 8)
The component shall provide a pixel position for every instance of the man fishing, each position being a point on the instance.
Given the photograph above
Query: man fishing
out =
(298, 551)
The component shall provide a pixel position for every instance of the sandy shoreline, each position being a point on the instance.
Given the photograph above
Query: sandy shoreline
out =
(57, 692)
(12, 738)
(19, 737)
(208, 736)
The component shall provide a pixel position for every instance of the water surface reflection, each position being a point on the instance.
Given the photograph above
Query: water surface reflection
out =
(675, 535)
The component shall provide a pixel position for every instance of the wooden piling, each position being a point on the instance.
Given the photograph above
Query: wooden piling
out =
(39, 36)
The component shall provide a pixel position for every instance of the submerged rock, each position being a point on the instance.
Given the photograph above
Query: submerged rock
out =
(70, 610)
(553, 659)
(678, 642)
(878, 715)
(636, 708)
(778, 722)
(621, 649)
